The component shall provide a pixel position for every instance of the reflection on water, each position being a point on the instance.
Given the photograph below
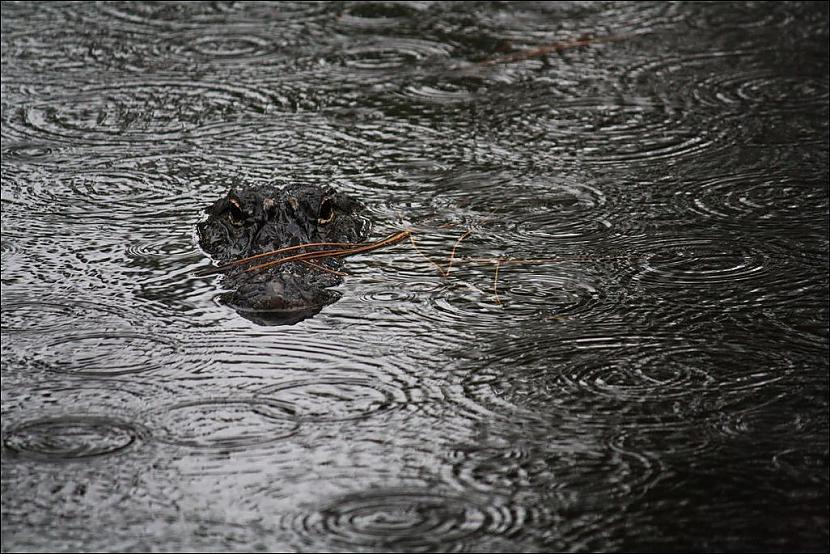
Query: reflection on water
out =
(630, 350)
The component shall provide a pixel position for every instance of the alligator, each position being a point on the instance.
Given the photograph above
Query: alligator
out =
(249, 221)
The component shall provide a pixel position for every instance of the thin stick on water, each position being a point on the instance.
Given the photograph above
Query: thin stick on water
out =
(342, 253)
(496, 283)
(546, 49)
(452, 254)
(224, 267)
(424, 256)
(333, 250)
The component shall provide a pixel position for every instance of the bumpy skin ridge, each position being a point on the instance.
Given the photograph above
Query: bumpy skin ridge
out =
(252, 220)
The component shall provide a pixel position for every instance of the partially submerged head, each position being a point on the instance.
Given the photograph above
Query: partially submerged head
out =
(253, 220)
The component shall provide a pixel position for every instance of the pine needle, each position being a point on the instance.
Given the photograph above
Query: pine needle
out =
(452, 254)
(336, 253)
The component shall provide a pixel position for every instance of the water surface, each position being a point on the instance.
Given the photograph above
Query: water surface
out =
(630, 351)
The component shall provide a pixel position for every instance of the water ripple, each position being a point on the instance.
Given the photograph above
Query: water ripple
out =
(739, 16)
(763, 90)
(31, 151)
(562, 471)
(110, 353)
(410, 520)
(656, 375)
(518, 293)
(332, 398)
(223, 424)
(655, 382)
(391, 53)
(379, 15)
(142, 111)
(559, 206)
(703, 263)
(90, 338)
(71, 437)
(238, 48)
(199, 14)
(124, 222)
(758, 196)
(92, 492)
(439, 92)
(61, 419)
(50, 315)
(621, 131)
(502, 468)
(687, 82)
(208, 48)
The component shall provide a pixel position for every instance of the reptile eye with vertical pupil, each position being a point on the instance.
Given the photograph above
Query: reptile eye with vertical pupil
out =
(326, 214)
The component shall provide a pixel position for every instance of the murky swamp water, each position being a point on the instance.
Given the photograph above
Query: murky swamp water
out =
(654, 376)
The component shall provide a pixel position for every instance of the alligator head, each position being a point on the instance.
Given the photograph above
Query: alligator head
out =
(253, 220)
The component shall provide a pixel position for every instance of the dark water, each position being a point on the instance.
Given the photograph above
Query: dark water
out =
(654, 376)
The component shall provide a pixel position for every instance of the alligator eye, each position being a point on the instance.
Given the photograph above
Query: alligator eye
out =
(237, 215)
(326, 211)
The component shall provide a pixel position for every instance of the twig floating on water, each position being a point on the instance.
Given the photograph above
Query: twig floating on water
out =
(318, 255)
(547, 49)
(424, 256)
(452, 254)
